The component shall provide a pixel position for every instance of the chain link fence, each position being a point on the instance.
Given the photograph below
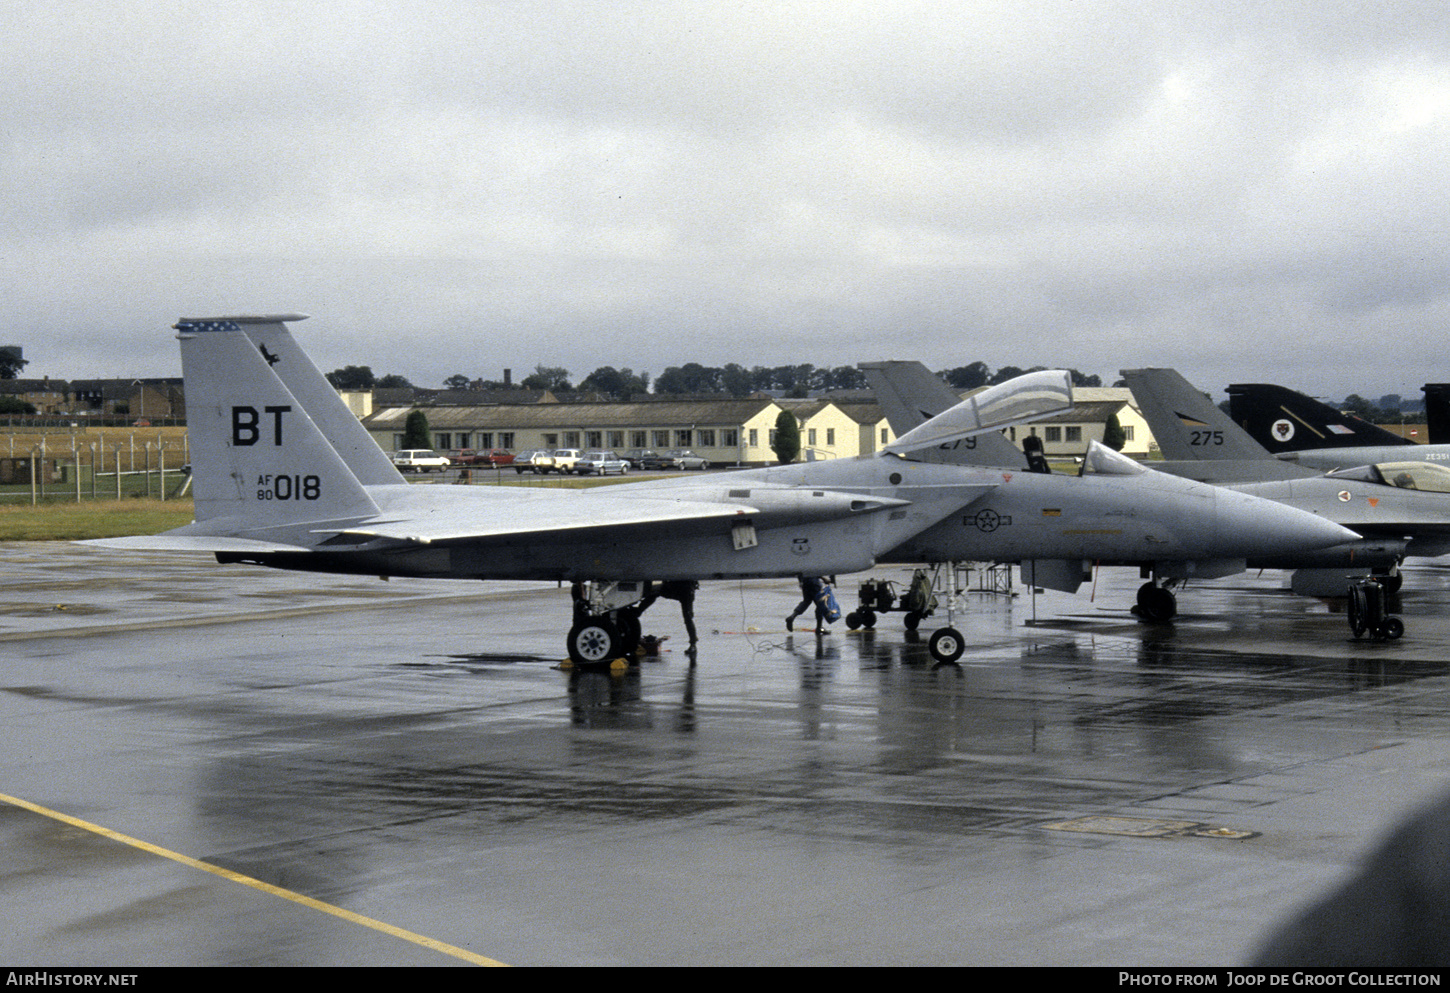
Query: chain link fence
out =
(115, 465)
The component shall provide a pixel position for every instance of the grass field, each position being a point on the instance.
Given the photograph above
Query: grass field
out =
(71, 521)
(60, 518)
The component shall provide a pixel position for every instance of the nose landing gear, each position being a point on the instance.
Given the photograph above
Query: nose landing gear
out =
(1156, 603)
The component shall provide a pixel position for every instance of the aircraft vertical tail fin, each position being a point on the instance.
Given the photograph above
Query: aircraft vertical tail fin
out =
(1187, 425)
(1437, 412)
(910, 394)
(1283, 420)
(259, 462)
(310, 388)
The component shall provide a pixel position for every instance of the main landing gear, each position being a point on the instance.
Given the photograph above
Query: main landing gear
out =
(1156, 603)
(606, 622)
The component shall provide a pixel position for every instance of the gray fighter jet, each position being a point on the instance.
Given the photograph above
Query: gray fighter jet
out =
(909, 392)
(284, 477)
(1404, 502)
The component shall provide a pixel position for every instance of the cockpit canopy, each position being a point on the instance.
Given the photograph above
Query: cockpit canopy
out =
(1425, 476)
(1102, 460)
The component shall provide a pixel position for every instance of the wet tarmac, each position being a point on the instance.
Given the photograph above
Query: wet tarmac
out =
(411, 760)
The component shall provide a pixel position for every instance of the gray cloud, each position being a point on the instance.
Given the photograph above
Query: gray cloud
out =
(1240, 190)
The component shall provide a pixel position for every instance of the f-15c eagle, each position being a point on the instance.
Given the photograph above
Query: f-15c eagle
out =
(285, 476)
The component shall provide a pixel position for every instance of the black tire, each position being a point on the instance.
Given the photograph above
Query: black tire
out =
(853, 620)
(1394, 628)
(1156, 604)
(594, 642)
(946, 645)
(1358, 610)
(912, 620)
(868, 619)
(630, 632)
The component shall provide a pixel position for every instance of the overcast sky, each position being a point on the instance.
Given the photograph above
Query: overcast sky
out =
(1242, 190)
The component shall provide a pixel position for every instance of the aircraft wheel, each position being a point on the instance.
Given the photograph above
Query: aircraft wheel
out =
(1394, 628)
(1358, 610)
(593, 642)
(946, 645)
(1156, 603)
(630, 632)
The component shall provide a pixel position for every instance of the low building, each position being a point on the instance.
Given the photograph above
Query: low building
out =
(1066, 435)
(726, 431)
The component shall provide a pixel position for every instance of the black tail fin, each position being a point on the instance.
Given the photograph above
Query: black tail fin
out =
(1285, 421)
(1437, 412)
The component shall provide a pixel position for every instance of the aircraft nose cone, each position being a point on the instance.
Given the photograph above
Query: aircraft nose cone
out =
(1257, 526)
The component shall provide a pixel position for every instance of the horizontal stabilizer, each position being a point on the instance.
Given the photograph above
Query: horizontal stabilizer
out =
(167, 542)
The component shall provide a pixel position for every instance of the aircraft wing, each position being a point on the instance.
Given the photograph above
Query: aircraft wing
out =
(561, 521)
(483, 517)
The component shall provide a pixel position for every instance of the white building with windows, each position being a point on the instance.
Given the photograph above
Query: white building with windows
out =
(725, 431)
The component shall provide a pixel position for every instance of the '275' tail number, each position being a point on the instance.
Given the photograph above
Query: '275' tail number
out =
(284, 487)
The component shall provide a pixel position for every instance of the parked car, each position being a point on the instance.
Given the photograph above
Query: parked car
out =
(566, 458)
(636, 457)
(467, 456)
(680, 458)
(537, 462)
(601, 462)
(497, 456)
(420, 460)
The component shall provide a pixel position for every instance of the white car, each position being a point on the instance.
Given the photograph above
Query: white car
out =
(540, 462)
(420, 460)
(565, 459)
(601, 462)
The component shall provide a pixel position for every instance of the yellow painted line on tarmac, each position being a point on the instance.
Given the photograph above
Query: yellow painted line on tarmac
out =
(256, 884)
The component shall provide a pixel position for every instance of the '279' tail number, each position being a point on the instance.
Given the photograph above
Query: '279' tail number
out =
(284, 487)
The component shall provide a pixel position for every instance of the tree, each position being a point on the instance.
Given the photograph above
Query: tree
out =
(967, 377)
(737, 380)
(1011, 372)
(415, 431)
(352, 377)
(11, 363)
(787, 443)
(1113, 434)
(843, 377)
(1360, 407)
(548, 378)
(14, 405)
(692, 377)
(393, 381)
(617, 384)
(457, 382)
